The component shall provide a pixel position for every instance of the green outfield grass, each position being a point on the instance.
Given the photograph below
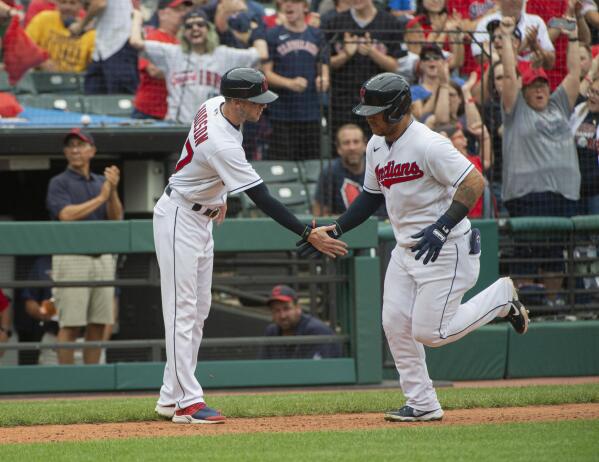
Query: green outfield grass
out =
(118, 409)
(560, 441)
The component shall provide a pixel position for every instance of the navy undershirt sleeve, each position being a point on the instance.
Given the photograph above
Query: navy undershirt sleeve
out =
(360, 209)
(274, 209)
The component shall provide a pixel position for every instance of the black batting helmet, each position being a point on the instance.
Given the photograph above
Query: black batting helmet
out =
(246, 83)
(387, 92)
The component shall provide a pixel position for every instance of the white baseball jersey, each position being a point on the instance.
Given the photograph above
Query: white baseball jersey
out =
(417, 175)
(212, 161)
(193, 78)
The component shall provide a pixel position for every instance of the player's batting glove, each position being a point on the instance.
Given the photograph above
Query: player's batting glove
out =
(307, 250)
(431, 240)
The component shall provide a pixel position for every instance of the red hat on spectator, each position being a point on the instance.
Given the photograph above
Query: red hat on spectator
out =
(531, 74)
(173, 3)
(282, 293)
(83, 135)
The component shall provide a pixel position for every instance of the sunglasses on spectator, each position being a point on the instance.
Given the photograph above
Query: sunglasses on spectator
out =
(190, 25)
(431, 57)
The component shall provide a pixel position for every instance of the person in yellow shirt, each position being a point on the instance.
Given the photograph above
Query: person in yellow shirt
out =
(50, 31)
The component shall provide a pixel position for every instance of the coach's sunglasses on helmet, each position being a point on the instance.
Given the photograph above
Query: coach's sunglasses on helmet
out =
(189, 25)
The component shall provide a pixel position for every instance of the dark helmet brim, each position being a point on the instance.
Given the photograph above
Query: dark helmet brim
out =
(265, 98)
(364, 110)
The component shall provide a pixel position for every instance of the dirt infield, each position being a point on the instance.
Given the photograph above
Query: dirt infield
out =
(82, 432)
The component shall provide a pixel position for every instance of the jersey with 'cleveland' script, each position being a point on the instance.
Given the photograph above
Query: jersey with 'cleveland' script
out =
(193, 78)
(212, 161)
(418, 176)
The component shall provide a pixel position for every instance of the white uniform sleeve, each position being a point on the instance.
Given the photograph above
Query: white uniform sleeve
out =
(235, 57)
(543, 37)
(371, 183)
(445, 163)
(160, 53)
(234, 170)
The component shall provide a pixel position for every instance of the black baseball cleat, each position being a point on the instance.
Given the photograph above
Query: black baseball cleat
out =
(518, 314)
(409, 414)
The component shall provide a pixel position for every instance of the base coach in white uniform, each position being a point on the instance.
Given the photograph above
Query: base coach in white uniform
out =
(428, 188)
(212, 165)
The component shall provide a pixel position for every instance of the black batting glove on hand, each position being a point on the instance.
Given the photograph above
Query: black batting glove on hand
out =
(431, 240)
(307, 250)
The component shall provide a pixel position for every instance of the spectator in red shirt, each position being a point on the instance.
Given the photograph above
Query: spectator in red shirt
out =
(150, 99)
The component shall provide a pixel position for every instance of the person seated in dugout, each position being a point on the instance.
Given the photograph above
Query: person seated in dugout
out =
(289, 319)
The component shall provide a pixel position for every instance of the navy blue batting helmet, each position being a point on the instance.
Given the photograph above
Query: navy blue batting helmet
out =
(386, 92)
(246, 83)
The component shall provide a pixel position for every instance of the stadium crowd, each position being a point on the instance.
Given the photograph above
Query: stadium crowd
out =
(169, 56)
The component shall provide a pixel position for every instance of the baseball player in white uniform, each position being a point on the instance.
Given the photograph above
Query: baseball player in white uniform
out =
(194, 68)
(428, 188)
(212, 165)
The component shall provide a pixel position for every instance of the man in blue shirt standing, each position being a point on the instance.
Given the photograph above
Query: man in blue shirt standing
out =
(289, 319)
(78, 194)
(298, 68)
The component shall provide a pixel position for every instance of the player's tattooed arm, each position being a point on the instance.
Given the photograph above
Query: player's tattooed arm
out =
(470, 189)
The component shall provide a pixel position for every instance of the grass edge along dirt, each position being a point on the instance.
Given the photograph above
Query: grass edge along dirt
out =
(566, 440)
(134, 409)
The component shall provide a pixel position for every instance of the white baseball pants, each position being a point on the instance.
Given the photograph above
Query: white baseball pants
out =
(184, 247)
(421, 305)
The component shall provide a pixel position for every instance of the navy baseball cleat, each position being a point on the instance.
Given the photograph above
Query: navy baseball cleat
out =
(518, 314)
(198, 413)
(409, 414)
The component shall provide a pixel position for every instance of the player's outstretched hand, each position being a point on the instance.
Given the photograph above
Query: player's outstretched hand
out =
(431, 240)
(325, 240)
(322, 240)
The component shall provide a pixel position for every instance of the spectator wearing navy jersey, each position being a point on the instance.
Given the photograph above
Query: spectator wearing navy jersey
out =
(341, 182)
(364, 42)
(289, 319)
(298, 69)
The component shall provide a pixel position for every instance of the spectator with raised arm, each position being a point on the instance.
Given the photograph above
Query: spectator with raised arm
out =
(50, 31)
(541, 176)
(537, 46)
(150, 99)
(298, 68)
(364, 41)
(114, 65)
(193, 68)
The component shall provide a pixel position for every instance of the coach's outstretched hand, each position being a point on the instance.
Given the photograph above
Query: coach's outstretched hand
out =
(431, 240)
(322, 240)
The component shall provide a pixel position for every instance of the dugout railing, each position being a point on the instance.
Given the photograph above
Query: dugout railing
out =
(352, 283)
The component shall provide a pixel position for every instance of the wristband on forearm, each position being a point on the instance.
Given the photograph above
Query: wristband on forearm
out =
(455, 213)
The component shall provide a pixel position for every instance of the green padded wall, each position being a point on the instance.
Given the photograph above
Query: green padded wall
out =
(555, 349)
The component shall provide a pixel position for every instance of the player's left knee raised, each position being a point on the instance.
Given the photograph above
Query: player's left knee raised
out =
(427, 336)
